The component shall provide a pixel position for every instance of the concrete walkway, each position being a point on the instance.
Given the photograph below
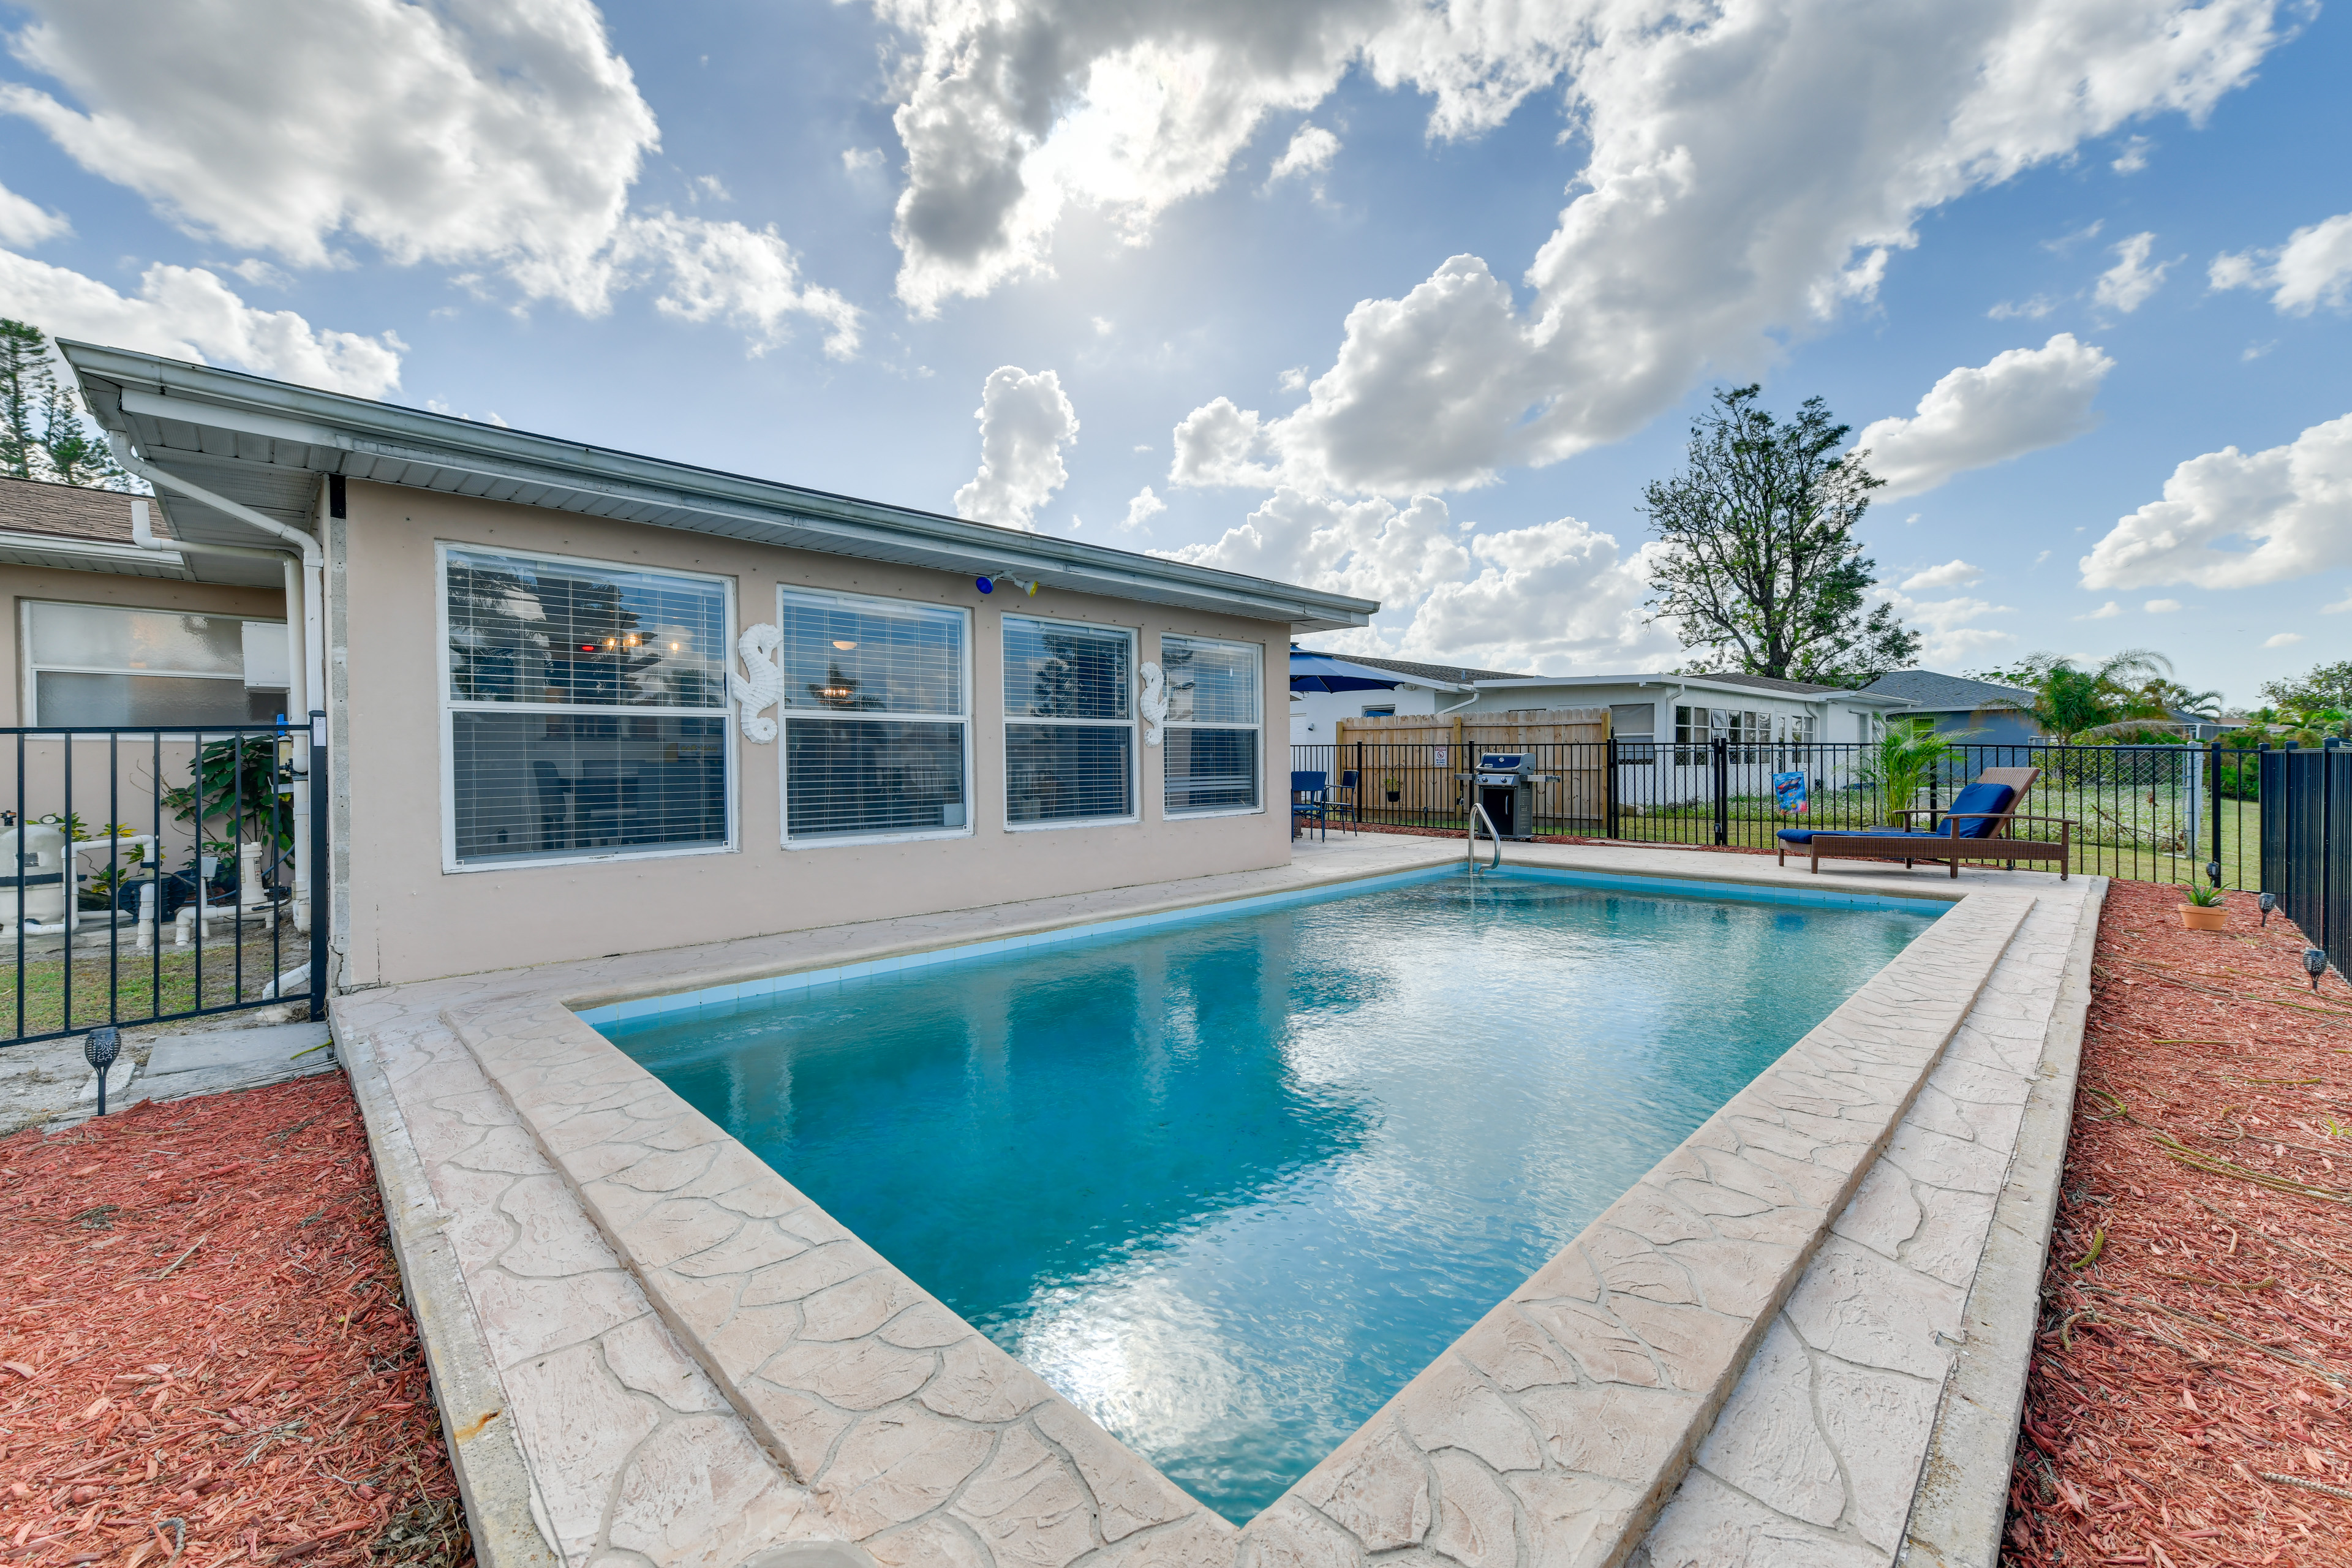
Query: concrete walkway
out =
(50, 1084)
(586, 1431)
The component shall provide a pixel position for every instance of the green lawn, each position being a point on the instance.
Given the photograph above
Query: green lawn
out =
(130, 982)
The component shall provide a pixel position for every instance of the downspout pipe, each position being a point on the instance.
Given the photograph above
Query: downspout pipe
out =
(302, 607)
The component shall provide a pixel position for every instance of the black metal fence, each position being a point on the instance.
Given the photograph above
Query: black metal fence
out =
(156, 874)
(2156, 813)
(2306, 838)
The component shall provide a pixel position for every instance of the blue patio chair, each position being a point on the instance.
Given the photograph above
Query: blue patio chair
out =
(1353, 806)
(1310, 796)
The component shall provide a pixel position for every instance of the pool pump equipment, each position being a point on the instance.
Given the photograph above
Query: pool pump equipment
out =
(1506, 781)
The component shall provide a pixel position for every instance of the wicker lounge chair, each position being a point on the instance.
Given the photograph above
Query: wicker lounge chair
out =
(1979, 827)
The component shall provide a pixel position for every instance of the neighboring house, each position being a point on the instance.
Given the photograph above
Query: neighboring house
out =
(1694, 709)
(1976, 711)
(533, 658)
(107, 632)
(1419, 688)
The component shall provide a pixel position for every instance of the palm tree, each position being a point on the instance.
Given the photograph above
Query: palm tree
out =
(2069, 699)
(1906, 754)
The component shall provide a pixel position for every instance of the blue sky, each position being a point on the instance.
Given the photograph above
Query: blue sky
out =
(1403, 300)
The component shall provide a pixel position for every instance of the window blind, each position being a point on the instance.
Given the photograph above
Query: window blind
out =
(876, 717)
(1069, 731)
(585, 709)
(1214, 714)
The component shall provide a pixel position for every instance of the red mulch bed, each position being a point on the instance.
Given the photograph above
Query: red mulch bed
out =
(204, 1355)
(2189, 1389)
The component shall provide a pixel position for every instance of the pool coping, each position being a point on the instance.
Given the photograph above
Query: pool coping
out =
(1962, 1501)
(1560, 1421)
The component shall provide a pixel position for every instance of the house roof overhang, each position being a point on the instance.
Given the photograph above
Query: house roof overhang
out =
(267, 443)
(1695, 683)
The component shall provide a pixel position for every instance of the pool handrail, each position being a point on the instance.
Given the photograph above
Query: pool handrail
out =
(1477, 816)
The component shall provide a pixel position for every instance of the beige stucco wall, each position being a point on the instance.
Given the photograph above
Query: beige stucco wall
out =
(20, 583)
(409, 918)
(41, 788)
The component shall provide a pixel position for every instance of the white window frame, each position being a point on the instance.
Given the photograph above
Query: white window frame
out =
(28, 697)
(450, 865)
(1134, 739)
(785, 714)
(1265, 790)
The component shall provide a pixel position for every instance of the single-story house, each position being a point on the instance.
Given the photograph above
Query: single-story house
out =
(1685, 710)
(580, 701)
(1694, 710)
(1977, 710)
(1414, 687)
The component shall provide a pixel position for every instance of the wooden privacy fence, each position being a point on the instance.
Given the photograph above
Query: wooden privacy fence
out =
(1420, 756)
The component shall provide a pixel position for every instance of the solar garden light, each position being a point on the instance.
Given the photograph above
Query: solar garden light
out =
(2314, 964)
(104, 1045)
(2269, 901)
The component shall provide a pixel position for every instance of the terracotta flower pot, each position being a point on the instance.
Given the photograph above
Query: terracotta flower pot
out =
(2213, 917)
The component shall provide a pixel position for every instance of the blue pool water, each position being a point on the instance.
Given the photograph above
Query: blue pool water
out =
(1228, 1184)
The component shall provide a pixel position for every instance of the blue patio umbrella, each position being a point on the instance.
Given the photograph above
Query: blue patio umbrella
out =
(1321, 672)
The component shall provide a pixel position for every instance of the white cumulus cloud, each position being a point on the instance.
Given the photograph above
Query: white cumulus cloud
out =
(2162, 606)
(1141, 511)
(2127, 285)
(189, 313)
(2239, 519)
(502, 137)
(1555, 597)
(1024, 422)
(2313, 269)
(507, 132)
(27, 224)
(2283, 640)
(1310, 151)
(1950, 574)
(2023, 400)
(1947, 627)
(1752, 168)
(2107, 612)
(725, 271)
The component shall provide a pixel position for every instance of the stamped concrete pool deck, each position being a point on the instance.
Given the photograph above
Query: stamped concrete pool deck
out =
(1798, 1340)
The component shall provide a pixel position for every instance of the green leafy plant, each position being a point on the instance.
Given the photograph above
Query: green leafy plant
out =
(1907, 754)
(2203, 897)
(234, 788)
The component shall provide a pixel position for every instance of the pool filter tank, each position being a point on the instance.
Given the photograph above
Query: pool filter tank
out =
(1506, 788)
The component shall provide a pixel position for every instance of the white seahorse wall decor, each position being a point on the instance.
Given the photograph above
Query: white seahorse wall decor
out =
(1154, 706)
(762, 684)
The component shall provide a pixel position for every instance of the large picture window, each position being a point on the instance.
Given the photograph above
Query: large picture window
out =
(1069, 723)
(98, 665)
(584, 710)
(876, 715)
(1215, 712)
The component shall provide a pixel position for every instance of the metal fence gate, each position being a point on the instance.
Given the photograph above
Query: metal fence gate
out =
(160, 873)
(2151, 813)
(2306, 837)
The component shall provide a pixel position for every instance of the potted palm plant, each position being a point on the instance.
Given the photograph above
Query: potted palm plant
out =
(2204, 911)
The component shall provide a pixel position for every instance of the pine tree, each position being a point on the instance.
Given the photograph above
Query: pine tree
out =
(42, 432)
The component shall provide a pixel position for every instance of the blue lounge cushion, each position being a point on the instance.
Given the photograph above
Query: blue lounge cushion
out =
(1980, 797)
(1807, 835)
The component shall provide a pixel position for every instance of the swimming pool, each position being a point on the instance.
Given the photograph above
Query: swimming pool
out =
(1229, 1182)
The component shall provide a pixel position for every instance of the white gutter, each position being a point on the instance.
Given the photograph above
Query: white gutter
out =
(304, 587)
